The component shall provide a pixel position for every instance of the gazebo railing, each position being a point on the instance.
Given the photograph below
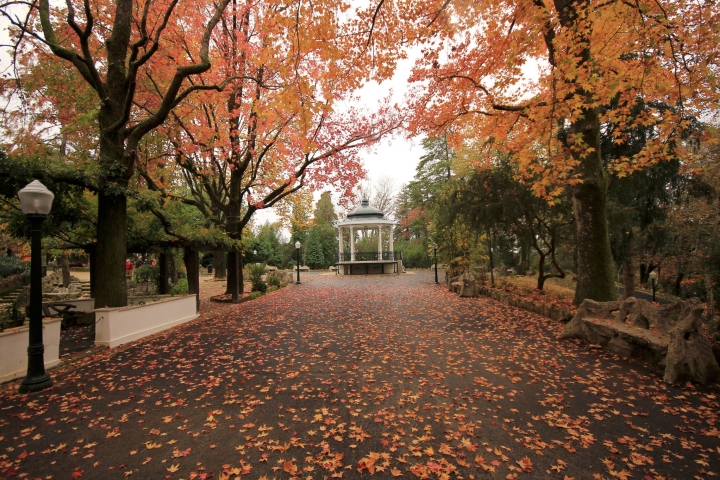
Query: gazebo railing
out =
(369, 256)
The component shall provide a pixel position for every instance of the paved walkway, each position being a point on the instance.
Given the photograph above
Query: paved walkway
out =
(353, 376)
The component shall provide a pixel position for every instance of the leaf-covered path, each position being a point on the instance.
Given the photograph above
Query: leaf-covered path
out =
(358, 376)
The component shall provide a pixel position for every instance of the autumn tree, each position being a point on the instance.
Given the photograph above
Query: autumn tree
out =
(275, 129)
(591, 62)
(115, 49)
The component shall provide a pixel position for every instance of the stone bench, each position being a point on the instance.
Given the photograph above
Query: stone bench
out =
(670, 337)
(464, 285)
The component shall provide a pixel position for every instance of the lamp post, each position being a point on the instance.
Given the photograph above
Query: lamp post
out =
(35, 203)
(653, 279)
(297, 247)
(435, 254)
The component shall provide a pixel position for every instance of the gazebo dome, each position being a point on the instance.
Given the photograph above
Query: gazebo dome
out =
(366, 211)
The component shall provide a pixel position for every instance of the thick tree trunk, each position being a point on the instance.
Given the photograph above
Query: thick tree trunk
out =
(233, 287)
(595, 269)
(65, 268)
(111, 246)
(192, 266)
(220, 265)
(629, 270)
(163, 284)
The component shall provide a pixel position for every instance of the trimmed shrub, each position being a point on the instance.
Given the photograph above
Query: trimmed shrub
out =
(259, 286)
(12, 265)
(273, 281)
(180, 288)
(147, 273)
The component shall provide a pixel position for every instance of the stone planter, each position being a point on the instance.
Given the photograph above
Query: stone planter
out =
(14, 344)
(116, 326)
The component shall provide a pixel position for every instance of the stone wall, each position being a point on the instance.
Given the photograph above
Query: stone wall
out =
(550, 311)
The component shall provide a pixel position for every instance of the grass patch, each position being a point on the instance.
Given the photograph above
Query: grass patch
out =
(559, 287)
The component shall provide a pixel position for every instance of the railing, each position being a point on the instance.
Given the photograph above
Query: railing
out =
(369, 256)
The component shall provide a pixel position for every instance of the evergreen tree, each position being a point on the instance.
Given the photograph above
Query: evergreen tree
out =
(314, 255)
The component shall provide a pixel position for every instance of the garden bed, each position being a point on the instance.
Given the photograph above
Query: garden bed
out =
(246, 297)
(13, 349)
(116, 326)
(555, 303)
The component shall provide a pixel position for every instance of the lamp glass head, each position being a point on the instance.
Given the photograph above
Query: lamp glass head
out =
(298, 244)
(36, 199)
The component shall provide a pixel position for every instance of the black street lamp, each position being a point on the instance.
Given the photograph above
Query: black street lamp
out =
(297, 247)
(653, 279)
(35, 203)
(435, 253)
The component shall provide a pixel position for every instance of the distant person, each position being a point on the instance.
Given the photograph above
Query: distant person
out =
(128, 268)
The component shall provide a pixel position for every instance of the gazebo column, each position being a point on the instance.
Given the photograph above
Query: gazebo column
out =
(352, 244)
(390, 242)
(340, 240)
(380, 243)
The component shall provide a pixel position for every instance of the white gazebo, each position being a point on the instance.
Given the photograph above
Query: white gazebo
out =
(365, 218)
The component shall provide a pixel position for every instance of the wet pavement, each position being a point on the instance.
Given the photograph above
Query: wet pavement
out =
(361, 376)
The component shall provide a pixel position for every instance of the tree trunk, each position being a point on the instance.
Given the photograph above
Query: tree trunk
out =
(233, 288)
(163, 286)
(541, 270)
(192, 266)
(110, 254)
(172, 268)
(65, 267)
(595, 270)
(643, 273)
(710, 297)
(678, 284)
(629, 270)
(220, 265)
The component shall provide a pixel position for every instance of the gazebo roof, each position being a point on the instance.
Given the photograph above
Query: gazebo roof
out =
(365, 211)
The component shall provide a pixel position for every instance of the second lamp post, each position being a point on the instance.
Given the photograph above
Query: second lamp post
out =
(297, 247)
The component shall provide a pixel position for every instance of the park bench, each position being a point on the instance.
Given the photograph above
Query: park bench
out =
(464, 285)
(669, 338)
(65, 311)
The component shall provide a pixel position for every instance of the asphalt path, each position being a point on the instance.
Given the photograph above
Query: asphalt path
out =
(352, 377)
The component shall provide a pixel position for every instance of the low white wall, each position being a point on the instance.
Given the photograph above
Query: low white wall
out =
(115, 326)
(14, 344)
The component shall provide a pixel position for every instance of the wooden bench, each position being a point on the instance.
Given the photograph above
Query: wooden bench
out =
(60, 310)
(670, 338)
